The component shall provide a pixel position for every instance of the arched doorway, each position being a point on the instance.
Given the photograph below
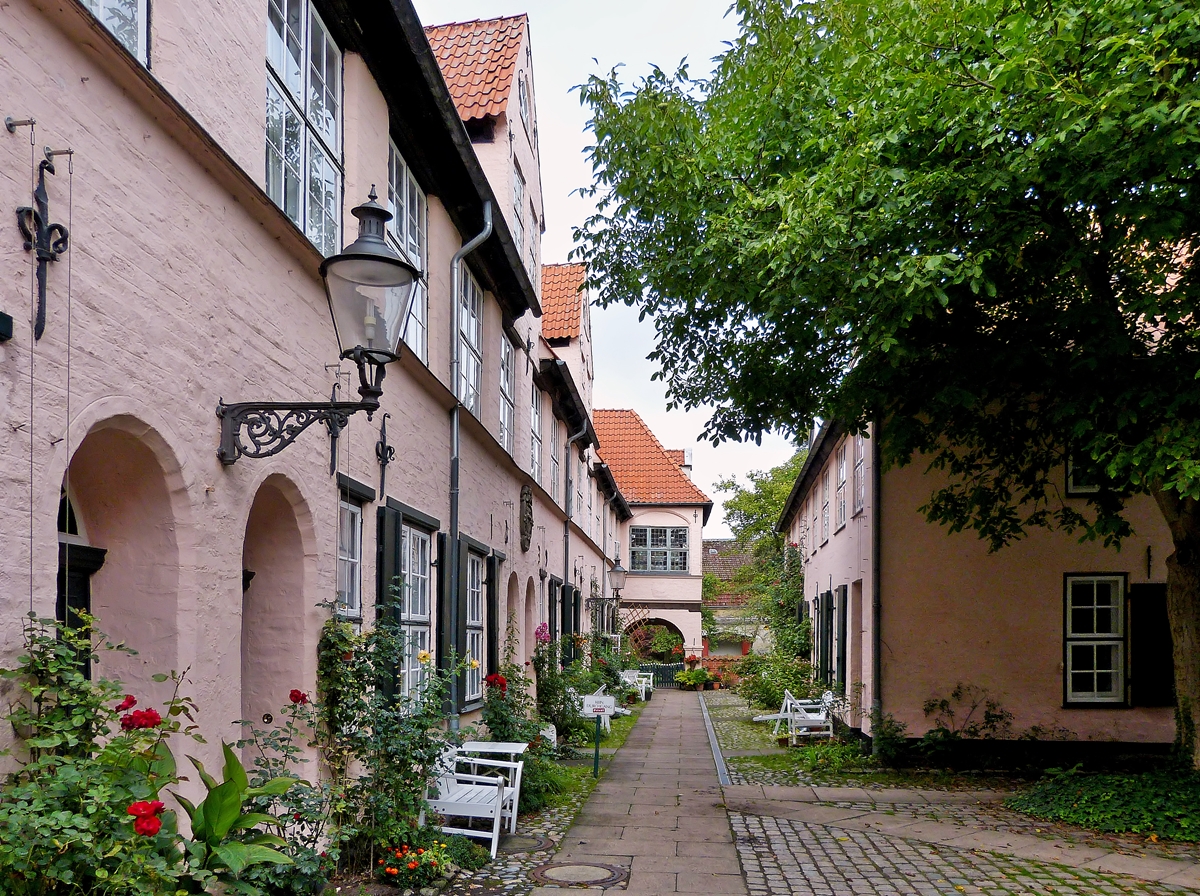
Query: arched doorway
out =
(656, 640)
(116, 517)
(273, 611)
(510, 651)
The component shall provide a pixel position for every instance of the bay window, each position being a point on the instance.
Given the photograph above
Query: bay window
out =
(658, 548)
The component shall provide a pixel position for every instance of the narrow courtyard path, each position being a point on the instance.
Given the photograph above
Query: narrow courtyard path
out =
(658, 813)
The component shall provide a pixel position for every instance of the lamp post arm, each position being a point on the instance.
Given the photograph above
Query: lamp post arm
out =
(263, 429)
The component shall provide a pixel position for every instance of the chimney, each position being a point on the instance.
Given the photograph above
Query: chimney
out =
(686, 466)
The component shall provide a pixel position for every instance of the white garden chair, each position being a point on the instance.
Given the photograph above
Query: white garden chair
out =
(493, 797)
(634, 679)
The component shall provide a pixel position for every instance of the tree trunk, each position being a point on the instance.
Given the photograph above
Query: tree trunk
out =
(1183, 610)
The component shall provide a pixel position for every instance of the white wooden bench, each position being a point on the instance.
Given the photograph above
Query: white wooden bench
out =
(456, 794)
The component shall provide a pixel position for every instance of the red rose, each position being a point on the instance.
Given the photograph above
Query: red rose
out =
(147, 826)
(141, 718)
(128, 703)
(297, 696)
(296, 816)
(145, 808)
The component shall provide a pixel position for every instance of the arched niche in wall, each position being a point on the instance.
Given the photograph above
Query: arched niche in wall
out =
(511, 624)
(531, 620)
(117, 497)
(273, 606)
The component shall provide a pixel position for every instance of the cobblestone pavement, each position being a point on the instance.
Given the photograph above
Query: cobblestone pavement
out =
(731, 716)
(993, 816)
(783, 857)
(509, 873)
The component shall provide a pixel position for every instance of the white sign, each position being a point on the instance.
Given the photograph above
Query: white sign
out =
(599, 705)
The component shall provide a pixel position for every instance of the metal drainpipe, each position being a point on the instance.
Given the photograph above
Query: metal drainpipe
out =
(455, 366)
(570, 515)
(876, 604)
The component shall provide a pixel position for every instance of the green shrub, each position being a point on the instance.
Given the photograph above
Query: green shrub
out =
(765, 678)
(1162, 803)
(693, 678)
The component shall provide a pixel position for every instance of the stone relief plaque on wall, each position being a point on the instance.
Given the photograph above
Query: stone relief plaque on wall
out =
(526, 517)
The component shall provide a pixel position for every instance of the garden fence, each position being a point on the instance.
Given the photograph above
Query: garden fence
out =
(664, 673)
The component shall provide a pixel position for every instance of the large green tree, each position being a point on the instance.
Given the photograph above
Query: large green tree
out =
(753, 509)
(971, 222)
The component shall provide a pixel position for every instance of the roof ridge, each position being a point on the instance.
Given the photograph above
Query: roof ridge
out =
(519, 15)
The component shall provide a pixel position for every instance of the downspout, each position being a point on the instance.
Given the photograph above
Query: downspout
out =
(876, 604)
(570, 515)
(455, 368)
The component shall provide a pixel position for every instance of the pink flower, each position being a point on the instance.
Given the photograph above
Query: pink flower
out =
(541, 634)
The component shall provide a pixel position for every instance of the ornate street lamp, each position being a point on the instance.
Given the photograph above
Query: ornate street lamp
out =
(369, 288)
(616, 578)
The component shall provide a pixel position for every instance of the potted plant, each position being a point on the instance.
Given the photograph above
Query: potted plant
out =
(692, 679)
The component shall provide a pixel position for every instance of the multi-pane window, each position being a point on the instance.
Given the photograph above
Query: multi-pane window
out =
(126, 19)
(535, 434)
(658, 548)
(508, 407)
(349, 559)
(407, 229)
(470, 341)
(825, 507)
(840, 497)
(555, 462)
(591, 531)
(415, 609)
(813, 541)
(523, 99)
(1095, 639)
(578, 505)
(518, 224)
(476, 647)
(860, 483)
(304, 83)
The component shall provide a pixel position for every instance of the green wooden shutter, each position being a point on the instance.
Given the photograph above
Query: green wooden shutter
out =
(842, 619)
(492, 617)
(445, 646)
(1151, 661)
(389, 564)
(552, 609)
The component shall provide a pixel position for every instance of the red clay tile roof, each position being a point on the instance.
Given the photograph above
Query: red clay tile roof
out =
(678, 455)
(562, 301)
(723, 557)
(643, 469)
(478, 59)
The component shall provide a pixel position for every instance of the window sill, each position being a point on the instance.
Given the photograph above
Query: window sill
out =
(839, 528)
(1096, 704)
(678, 574)
(858, 512)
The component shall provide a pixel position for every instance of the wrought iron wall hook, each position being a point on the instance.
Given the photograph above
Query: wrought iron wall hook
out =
(46, 240)
(385, 453)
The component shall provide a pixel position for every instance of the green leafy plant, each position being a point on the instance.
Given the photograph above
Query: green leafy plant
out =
(969, 713)
(413, 867)
(1160, 803)
(889, 739)
(224, 842)
(693, 678)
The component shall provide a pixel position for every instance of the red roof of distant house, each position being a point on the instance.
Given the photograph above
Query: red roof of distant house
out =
(724, 556)
(478, 59)
(562, 300)
(643, 469)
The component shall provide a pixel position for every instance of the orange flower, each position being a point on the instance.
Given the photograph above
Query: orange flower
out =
(381, 861)
(391, 870)
(420, 852)
(412, 865)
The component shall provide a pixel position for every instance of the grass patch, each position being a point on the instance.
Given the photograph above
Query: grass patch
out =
(1160, 803)
(621, 726)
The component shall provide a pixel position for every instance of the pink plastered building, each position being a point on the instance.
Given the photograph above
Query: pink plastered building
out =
(216, 154)
(1069, 637)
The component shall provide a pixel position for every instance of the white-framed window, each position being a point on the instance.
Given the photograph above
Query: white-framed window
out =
(840, 497)
(860, 483)
(127, 20)
(518, 228)
(415, 609)
(555, 461)
(825, 506)
(591, 515)
(304, 84)
(407, 230)
(349, 559)
(476, 644)
(812, 501)
(1095, 638)
(658, 548)
(1081, 477)
(535, 434)
(508, 405)
(577, 507)
(523, 100)
(470, 341)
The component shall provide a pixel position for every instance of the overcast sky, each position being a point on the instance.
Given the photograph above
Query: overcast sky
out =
(571, 41)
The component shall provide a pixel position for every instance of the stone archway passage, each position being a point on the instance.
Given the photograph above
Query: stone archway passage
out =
(273, 611)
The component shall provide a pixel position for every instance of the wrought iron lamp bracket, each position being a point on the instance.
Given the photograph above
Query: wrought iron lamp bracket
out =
(263, 429)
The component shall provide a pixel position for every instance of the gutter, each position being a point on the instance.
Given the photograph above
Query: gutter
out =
(455, 440)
